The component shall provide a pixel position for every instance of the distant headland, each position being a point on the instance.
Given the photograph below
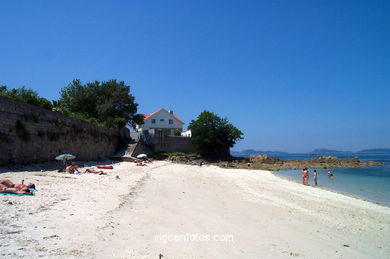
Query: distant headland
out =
(317, 151)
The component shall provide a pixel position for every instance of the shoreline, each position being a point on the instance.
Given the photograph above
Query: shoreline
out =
(119, 215)
(350, 195)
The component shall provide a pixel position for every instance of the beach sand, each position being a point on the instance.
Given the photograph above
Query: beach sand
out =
(130, 213)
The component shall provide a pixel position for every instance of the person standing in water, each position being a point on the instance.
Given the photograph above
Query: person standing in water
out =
(330, 174)
(307, 177)
(315, 177)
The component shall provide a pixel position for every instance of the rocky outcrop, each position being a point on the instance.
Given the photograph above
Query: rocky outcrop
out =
(263, 159)
(272, 163)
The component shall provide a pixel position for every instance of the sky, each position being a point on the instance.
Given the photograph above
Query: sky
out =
(291, 75)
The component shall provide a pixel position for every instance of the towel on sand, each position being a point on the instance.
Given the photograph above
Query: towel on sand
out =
(20, 194)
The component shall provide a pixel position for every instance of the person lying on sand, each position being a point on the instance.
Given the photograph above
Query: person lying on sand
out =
(150, 160)
(141, 164)
(6, 186)
(91, 171)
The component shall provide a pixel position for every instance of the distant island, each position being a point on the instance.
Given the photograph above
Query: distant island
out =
(328, 151)
(375, 151)
(317, 151)
(249, 152)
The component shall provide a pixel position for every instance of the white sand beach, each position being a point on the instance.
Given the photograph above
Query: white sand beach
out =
(132, 211)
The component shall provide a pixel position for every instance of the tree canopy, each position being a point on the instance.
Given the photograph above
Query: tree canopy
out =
(109, 103)
(26, 95)
(212, 135)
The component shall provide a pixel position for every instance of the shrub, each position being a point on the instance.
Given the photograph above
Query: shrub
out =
(213, 136)
(26, 95)
(119, 122)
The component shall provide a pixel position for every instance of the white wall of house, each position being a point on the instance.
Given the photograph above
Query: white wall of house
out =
(161, 120)
(186, 133)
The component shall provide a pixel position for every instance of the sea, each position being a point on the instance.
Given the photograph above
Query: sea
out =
(368, 183)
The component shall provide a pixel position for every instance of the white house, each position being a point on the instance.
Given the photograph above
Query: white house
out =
(186, 133)
(161, 119)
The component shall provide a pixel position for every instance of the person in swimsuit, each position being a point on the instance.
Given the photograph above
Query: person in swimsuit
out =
(72, 169)
(330, 174)
(306, 176)
(94, 172)
(315, 177)
(6, 186)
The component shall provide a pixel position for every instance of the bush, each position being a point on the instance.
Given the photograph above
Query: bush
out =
(119, 122)
(213, 136)
(177, 132)
(26, 95)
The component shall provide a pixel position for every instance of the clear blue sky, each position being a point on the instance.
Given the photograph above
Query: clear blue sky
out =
(292, 75)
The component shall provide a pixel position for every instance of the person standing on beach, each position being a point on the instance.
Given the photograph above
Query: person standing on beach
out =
(315, 177)
(307, 177)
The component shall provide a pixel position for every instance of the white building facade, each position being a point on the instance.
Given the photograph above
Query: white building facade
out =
(187, 134)
(161, 119)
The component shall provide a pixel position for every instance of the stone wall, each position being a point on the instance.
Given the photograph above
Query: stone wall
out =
(165, 143)
(30, 134)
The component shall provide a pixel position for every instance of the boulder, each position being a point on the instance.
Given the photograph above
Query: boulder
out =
(263, 158)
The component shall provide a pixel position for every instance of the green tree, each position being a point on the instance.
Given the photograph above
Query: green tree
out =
(26, 95)
(213, 136)
(109, 102)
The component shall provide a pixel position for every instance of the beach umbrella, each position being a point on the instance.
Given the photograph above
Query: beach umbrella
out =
(65, 157)
(140, 156)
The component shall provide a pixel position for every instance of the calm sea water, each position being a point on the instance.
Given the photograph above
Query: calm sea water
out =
(369, 183)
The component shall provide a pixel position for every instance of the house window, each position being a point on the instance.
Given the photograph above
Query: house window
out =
(153, 121)
(170, 121)
(162, 120)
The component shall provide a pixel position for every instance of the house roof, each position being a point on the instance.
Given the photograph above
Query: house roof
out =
(147, 116)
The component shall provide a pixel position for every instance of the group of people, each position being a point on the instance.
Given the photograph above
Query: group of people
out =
(6, 186)
(144, 162)
(305, 176)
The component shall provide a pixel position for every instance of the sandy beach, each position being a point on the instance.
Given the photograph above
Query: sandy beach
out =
(171, 210)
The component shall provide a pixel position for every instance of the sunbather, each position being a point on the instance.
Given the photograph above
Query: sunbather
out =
(91, 171)
(72, 168)
(6, 186)
(141, 164)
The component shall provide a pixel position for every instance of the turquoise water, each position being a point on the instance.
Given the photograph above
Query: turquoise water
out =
(369, 183)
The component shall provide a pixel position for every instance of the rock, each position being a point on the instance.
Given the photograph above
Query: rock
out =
(266, 159)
